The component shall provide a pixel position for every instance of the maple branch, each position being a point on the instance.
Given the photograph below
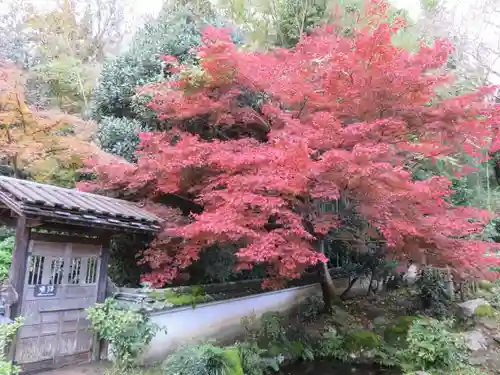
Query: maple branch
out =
(184, 199)
(302, 107)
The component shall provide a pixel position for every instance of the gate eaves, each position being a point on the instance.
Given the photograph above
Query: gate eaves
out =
(72, 207)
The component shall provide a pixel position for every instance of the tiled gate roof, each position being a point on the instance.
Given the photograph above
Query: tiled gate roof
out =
(68, 206)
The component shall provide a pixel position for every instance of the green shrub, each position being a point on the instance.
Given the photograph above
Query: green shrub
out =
(175, 32)
(310, 308)
(65, 82)
(485, 285)
(233, 356)
(253, 360)
(431, 345)
(484, 311)
(7, 332)
(279, 339)
(250, 358)
(6, 247)
(433, 292)
(299, 350)
(119, 136)
(272, 332)
(128, 331)
(331, 345)
(396, 333)
(356, 341)
(123, 268)
(141, 63)
(341, 319)
(203, 359)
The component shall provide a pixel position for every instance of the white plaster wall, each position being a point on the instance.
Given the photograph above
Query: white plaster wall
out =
(217, 320)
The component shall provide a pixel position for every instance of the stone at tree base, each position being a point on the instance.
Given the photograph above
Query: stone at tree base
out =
(476, 340)
(489, 359)
(404, 302)
(374, 311)
(411, 275)
(8, 293)
(496, 338)
(380, 321)
(111, 288)
(469, 307)
(491, 324)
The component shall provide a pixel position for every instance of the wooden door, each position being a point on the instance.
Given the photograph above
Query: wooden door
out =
(61, 282)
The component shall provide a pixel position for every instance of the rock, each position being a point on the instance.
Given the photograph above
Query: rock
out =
(411, 275)
(478, 360)
(489, 359)
(490, 324)
(475, 340)
(404, 302)
(496, 338)
(422, 373)
(468, 307)
(374, 311)
(8, 293)
(380, 321)
(111, 288)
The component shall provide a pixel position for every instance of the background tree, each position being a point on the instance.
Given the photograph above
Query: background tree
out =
(14, 42)
(120, 112)
(473, 30)
(25, 138)
(65, 83)
(87, 30)
(282, 22)
(39, 144)
(62, 47)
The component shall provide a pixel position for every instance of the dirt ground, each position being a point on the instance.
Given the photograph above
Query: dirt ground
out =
(88, 369)
(97, 368)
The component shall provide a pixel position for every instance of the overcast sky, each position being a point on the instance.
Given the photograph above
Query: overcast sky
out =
(478, 26)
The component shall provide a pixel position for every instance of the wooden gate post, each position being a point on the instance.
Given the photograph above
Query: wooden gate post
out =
(18, 267)
(98, 343)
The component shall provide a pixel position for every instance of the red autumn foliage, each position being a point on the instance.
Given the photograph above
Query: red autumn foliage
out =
(341, 117)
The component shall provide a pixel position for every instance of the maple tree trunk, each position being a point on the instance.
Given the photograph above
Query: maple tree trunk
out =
(370, 286)
(349, 287)
(369, 291)
(326, 282)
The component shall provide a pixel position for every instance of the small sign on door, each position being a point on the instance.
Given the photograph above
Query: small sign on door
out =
(45, 290)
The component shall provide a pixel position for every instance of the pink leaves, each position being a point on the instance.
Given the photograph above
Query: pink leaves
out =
(334, 117)
(287, 254)
(213, 34)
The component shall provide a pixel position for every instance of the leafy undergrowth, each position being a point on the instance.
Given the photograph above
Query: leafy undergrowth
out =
(405, 344)
(395, 342)
(391, 305)
(379, 329)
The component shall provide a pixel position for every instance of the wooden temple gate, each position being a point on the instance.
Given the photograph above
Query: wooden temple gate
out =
(59, 266)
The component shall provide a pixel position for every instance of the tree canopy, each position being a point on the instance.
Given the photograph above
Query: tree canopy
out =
(337, 121)
(44, 144)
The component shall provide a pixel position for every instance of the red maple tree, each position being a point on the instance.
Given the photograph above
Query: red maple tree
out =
(334, 118)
